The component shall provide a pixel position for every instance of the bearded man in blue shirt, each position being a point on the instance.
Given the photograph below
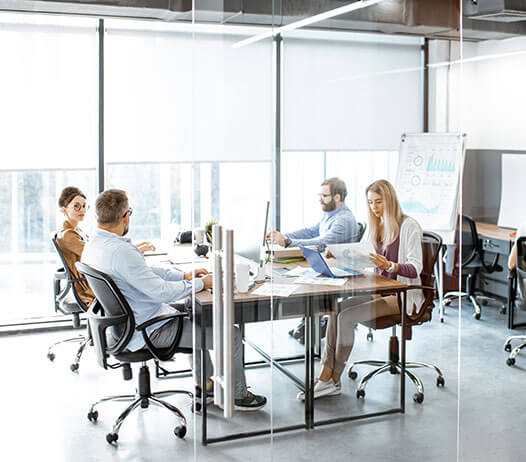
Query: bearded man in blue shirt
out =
(337, 226)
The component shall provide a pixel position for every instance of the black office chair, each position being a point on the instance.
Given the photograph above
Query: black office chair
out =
(472, 264)
(112, 310)
(299, 331)
(431, 244)
(67, 302)
(517, 298)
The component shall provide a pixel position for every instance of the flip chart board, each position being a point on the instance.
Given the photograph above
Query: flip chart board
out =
(428, 177)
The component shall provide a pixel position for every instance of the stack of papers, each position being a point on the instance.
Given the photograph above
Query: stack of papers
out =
(320, 281)
(275, 290)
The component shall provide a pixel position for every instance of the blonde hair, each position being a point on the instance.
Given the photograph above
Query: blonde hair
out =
(385, 229)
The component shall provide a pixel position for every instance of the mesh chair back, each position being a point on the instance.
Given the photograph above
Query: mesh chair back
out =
(69, 276)
(470, 240)
(114, 306)
(521, 272)
(431, 244)
(361, 230)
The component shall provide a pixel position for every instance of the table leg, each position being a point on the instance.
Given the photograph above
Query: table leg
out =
(202, 352)
(309, 365)
(402, 372)
(439, 274)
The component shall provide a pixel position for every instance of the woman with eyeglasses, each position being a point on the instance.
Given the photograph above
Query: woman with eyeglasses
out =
(71, 239)
(397, 240)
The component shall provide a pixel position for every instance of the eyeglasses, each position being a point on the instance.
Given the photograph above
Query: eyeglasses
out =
(79, 207)
(129, 212)
(323, 196)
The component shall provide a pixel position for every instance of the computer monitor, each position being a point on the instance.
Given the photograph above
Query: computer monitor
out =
(250, 248)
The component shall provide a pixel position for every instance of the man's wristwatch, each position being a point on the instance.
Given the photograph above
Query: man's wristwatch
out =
(287, 242)
(391, 268)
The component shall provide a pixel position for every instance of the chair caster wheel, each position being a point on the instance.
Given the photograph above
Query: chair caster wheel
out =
(369, 337)
(476, 316)
(510, 361)
(74, 367)
(180, 431)
(51, 356)
(484, 302)
(93, 416)
(393, 370)
(418, 398)
(144, 403)
(440, 381)
(360, 394)
(503, 310)
(352, 375)
(447, 302)
(112, 437)
(442, 320)
(507, 347)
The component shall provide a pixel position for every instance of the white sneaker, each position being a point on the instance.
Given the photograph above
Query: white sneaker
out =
(321, 388)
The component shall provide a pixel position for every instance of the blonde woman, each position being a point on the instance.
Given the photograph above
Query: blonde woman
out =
(397, 239)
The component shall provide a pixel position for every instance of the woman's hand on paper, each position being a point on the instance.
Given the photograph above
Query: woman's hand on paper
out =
(380, 261)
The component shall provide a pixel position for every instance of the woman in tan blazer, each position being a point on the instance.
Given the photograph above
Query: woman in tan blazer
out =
(71, 239)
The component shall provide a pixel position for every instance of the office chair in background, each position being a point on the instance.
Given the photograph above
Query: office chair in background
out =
(431, 244)
(472, 263)
(517, 298)
(112, 310)
(299, 331)
(67, 301)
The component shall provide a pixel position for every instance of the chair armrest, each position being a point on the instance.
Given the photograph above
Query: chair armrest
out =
(168, 353)
(60, 273)
(163, 317)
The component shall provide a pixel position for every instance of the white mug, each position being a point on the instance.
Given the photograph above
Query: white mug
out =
(242, 276)
(199, 235)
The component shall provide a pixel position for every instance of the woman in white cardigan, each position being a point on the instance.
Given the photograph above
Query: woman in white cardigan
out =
(397, 239)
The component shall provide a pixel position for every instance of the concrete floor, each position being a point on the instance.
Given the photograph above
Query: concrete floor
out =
(44, 405)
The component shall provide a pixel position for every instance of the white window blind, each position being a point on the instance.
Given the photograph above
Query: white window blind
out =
(174, 96)
(48, 93)
(350, 94)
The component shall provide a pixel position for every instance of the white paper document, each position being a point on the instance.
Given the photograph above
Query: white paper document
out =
(320, 281)
(300, 271)
(275, 290)
(354, 256)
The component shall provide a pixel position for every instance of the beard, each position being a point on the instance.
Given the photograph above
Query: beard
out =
(329, 207)
(125, 230)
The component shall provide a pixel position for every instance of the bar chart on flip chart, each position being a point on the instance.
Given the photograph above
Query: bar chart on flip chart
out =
(428, 176)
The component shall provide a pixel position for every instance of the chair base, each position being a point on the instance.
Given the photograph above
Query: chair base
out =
(84, 341)
(395, 367)
(507, 347)
(144, 397)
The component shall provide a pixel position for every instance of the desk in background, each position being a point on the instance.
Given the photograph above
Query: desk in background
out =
(497, 241)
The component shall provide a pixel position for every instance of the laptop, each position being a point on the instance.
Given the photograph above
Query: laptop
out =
(318, 264)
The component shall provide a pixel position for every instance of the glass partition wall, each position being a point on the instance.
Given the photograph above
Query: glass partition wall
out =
(203, 127)
(489, 78)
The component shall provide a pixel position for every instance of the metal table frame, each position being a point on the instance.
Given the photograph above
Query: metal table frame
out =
(203, 318)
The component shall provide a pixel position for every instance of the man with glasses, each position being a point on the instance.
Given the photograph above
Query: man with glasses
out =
(337, 226)
(150, 290)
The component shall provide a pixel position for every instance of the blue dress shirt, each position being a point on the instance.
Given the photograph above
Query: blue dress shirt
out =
(336, 227)
(147, 289)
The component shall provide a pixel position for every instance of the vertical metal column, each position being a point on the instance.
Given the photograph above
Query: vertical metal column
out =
(277, 147)
(228, 324)
(100, 163)
(223, 318)
(217, 310)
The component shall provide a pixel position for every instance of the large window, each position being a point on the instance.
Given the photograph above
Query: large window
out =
(48, 91)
